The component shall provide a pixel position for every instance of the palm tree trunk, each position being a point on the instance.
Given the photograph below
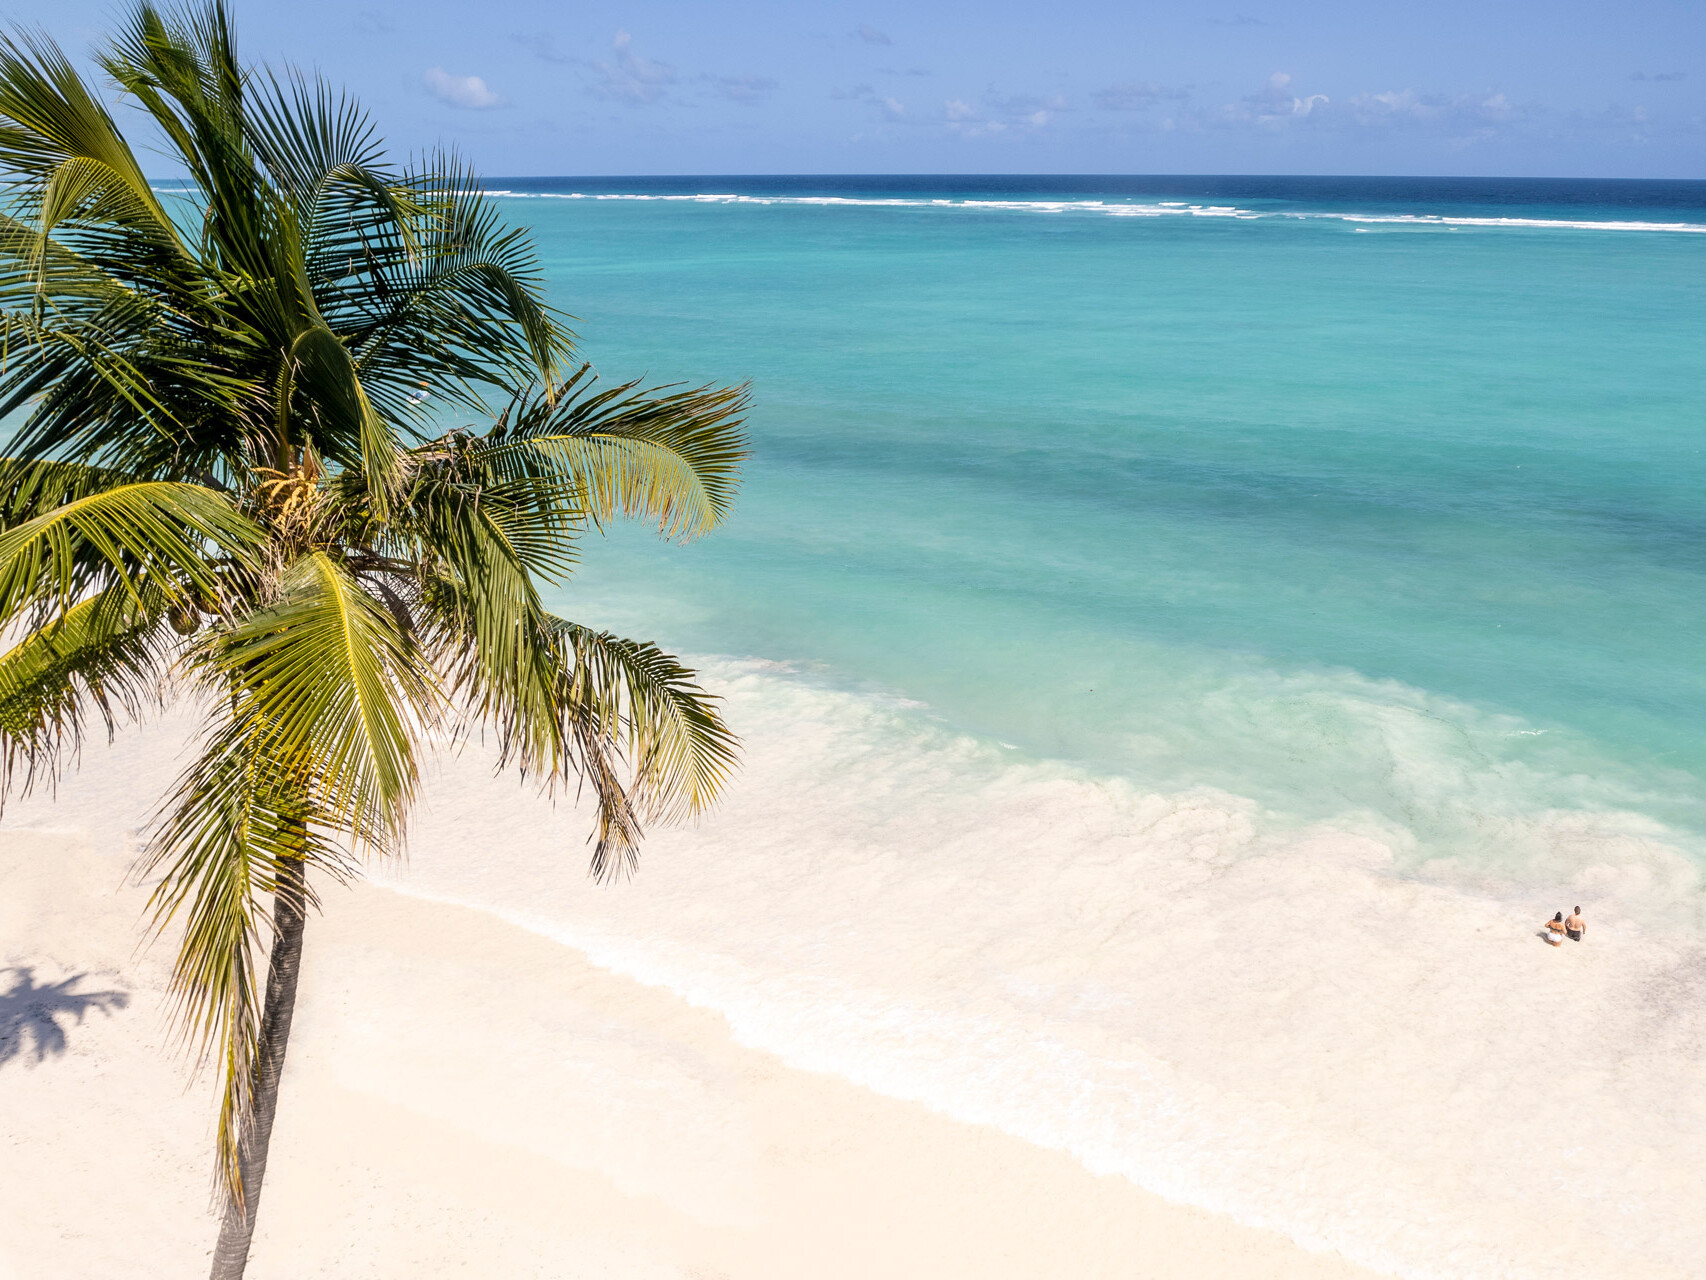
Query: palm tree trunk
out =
(231, 1255)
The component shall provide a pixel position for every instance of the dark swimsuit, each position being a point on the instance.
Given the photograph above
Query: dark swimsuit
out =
(1575, 934)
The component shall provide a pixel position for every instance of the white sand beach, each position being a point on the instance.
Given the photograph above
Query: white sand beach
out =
(465, 1098)
(900, 1008)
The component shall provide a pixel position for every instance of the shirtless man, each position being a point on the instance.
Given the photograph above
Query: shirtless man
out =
(1575, 926)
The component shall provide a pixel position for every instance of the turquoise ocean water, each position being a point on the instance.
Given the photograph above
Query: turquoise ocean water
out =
(1187, 634)
(1180, 479)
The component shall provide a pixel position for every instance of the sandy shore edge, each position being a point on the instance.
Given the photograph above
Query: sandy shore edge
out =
(467, 1098)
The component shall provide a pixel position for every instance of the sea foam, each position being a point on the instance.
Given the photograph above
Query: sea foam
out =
(1116, 209)
(1295, 1023)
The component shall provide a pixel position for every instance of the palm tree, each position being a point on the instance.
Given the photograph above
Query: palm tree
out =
(229, 483)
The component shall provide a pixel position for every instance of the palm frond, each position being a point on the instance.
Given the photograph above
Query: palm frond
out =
(309, 758)
(106, 657)
(153, 532)
(346, 427)
(229, 830)
(339, 692)
(671, 456)
(106, 356)
(518, 681)
(314, 140)
(57, 137)
(181, 67)
(469, 500)
(568, 703)
(460, 307)
(633, 692)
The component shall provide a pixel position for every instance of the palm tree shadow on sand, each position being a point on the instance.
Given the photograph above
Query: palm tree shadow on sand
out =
(31, 1013)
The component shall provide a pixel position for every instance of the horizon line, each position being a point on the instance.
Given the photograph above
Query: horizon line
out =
(1050, 173)
(1059, 174)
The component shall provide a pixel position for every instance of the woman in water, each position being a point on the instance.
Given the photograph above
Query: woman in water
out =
(1555, 930)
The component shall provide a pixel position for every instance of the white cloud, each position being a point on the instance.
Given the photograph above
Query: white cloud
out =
(870, 35)
(630, 78)
(999, 113)
(1497, 107)
(460, 91)
(993, 113)
(1025, 110)
(888, 108)
(638, 81)
(1279, 107)
(1272, 106)
(1463, 119)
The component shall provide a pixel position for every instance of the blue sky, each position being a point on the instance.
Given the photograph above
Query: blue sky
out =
(664, 86)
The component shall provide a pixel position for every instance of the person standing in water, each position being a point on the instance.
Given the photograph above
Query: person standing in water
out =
(1555, 930)
(1575, 926)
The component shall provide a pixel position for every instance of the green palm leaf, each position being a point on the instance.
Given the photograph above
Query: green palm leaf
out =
(225, 479)
(55, 134)
(106, 656)
(323, 695)
(319, 367)
(679, 750)
(670, 456)
(144, 531)
(232, 831)
(338, 692)
(458, 306)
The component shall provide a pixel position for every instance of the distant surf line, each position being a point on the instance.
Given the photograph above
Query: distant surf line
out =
(1158, 209)
(1107, 208)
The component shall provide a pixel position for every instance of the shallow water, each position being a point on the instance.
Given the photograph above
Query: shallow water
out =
(1187, 640)
(1272, 1020)
(1112, 490)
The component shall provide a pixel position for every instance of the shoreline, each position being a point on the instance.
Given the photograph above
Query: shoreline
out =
(462, 1092)
(889, 933)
